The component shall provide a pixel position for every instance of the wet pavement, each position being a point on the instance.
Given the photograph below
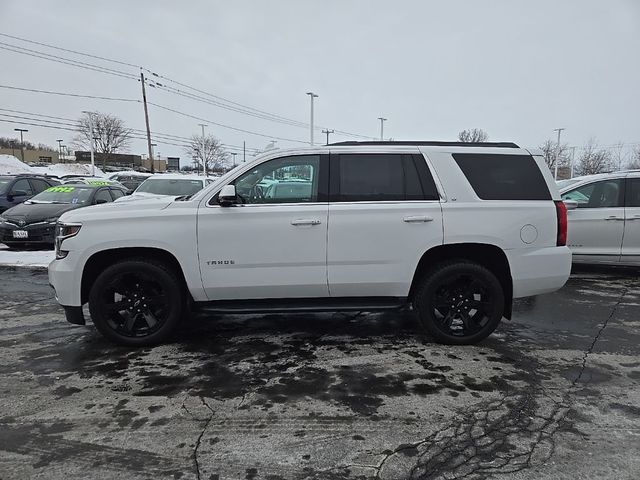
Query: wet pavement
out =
(553, 394)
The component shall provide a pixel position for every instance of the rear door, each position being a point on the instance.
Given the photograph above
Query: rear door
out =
(596, 227)
(631, 241)
(384, 213)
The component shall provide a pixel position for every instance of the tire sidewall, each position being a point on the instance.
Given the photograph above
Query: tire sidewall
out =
(433, 280)
(168, 282)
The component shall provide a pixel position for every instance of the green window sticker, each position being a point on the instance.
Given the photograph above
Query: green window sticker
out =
(60, 189)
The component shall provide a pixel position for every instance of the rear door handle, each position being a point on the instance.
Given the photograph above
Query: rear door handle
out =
(305, 221)
(613, 217)
(635, 217)
(417, 219)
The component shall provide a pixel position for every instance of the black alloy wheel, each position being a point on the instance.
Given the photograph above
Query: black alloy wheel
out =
(136, 302)
(460, 302)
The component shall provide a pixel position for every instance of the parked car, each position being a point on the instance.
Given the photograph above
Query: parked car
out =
(169, 184)
(453, 230)
(33, 222)
(97, 181)
(604, 218)
(131, 180)
(15, 189)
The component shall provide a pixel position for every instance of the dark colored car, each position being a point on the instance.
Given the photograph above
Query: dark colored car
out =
(34, 221)
(130, 181)
(15, 189)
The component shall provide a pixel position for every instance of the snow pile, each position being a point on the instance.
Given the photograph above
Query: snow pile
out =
(25, 259)
(62, 169)
(10, 165)
(129, 172)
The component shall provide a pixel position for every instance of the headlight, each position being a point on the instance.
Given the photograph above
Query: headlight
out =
(64, 231)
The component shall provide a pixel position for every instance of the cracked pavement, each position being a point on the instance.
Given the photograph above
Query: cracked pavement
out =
(552, 394)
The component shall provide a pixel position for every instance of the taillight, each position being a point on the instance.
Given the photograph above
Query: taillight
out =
(561, 212)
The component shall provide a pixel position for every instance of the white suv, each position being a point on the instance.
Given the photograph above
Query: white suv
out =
(604, 217)
(453, 230)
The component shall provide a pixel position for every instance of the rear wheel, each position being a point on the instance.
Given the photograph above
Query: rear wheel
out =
(459, 302)
(136, 302)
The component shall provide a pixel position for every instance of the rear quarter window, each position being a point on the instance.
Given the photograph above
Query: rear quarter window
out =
(503, 176)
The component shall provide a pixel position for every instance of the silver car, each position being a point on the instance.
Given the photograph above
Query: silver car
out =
(604, 217)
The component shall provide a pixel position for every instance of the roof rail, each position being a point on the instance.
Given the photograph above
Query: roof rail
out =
(420, 143)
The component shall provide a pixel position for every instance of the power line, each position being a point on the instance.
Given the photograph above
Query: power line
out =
(49, 92)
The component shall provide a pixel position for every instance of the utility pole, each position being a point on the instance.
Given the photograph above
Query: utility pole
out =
(234, 158)
(21, 130)
(555, 174)
(244, 151)
(59, 149)
(573, 157)
(146, 121)
(204, 156)
(327, 131)
(382, 120)
(91, 143)
(312, 95)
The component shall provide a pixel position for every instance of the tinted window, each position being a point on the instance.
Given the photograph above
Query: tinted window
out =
(102, 195)
(503, 177)
(597, 195)
(115, 193)
(39, 185)
(383, 177)
(170, 186)
(22, 185)
(281, 180)
(633, 192)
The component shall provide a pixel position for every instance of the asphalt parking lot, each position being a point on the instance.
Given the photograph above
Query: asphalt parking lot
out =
(555, 393)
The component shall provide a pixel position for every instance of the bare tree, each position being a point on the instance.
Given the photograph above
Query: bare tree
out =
(618, 157)
(593, 159)
(110, 134)
(550, 151)
(634, 162)
(475, 135)
(214, 155)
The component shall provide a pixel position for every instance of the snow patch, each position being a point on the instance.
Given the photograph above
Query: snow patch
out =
(62, 169)
(25, 259)
(10, 165)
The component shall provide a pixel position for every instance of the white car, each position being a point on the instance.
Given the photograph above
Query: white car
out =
(604, 218)
(453, 230)
(168, 184)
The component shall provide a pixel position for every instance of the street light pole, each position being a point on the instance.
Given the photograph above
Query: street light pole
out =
(555, 174)
(312, 95)
(93, 159)
(204, 158)
(382, 120)
(59, 149)
(327, 132)
(21, 130)
(234, 158)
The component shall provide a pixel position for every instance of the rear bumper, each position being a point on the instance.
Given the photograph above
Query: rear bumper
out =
(539, 270)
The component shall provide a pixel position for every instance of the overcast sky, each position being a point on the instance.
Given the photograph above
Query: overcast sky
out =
(517, 69)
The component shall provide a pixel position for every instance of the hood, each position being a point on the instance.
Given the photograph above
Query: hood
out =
(143, 196)
(37, 212)
(115, 210)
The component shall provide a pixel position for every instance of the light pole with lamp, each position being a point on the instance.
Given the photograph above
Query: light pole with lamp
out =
(21, 130)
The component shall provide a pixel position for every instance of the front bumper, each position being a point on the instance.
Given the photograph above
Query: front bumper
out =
(65, 280)
(36, 233)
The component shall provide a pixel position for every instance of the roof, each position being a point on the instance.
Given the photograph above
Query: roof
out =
(428, 143)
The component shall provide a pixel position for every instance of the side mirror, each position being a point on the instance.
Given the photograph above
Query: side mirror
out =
(100, 201)
(227, 196)
(570, 204)
(16, 193)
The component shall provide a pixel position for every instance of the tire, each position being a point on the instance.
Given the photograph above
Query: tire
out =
(136, 302)
(459, 302)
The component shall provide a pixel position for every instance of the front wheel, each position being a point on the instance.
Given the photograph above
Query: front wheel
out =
(136, 302)
(459, 302)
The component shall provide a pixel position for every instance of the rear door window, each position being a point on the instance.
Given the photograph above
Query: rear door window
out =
(381, 177)
(503, 176)
(604, 194)
(633, 192)
(39, 185)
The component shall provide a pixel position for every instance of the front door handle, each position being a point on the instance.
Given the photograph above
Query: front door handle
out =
(305, 221)
(417, 219)
(613, 217)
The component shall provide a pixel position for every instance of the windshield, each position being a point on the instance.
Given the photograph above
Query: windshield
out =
(64, 194)
(4, 183)
(170, 186)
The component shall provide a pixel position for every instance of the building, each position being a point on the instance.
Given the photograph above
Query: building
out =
(173, 164)
(32, 156)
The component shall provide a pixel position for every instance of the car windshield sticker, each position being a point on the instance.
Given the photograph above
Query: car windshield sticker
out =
(60, 189)
(101, 183)
(75, 200)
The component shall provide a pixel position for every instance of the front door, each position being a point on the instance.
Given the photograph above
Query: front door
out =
(384, 213)
(273, 243)
(631, 241)
(596, 227)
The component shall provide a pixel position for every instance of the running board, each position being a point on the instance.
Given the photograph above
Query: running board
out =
(311, 305)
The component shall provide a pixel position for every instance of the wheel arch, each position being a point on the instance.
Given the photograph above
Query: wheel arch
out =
(489, 256)
(102, 259)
